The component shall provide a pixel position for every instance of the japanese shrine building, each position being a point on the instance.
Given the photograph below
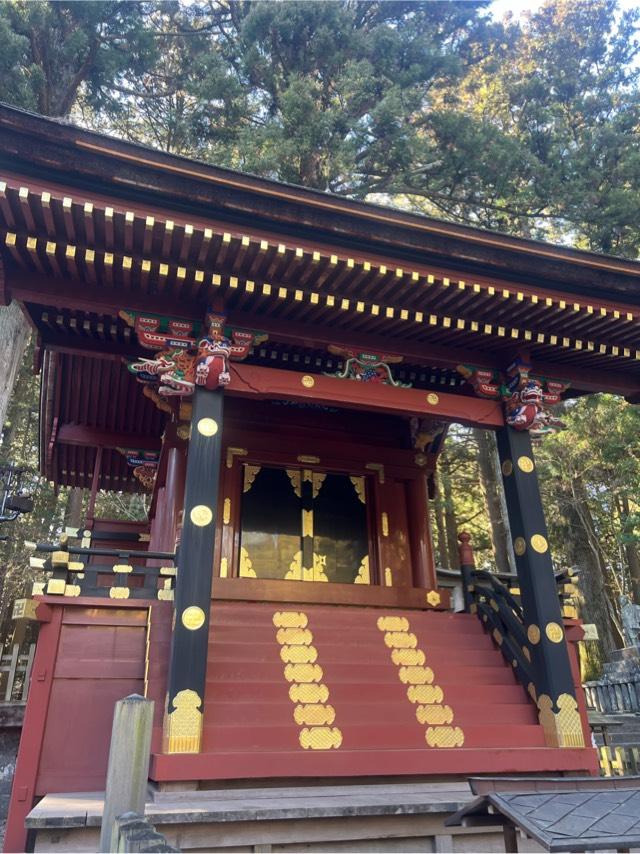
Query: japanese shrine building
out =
(277, 367)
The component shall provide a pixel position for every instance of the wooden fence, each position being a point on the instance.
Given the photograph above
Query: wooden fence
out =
(619, 761)
(17, 666)
(612, 697)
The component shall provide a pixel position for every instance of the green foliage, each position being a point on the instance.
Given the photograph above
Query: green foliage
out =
(51, 49)
(46, 522)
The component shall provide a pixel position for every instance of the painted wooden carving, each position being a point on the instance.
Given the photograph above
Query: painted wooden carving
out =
(526, 398)
(186, 360)
(366, 367)
(144, 464)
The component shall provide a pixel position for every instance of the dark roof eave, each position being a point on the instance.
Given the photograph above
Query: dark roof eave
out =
(65, 153)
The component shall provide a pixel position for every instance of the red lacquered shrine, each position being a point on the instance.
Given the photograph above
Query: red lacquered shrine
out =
(278, 367)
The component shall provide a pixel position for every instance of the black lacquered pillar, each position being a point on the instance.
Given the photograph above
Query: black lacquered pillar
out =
(553, 690)
(188, 666)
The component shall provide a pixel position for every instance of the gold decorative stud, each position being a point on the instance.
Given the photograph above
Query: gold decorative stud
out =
(519, 546)
(507, 468)
(433, 598)
(554, 632)
(193, 618)
(308, 381)
(539, 543)
(201, 515)
(433, 399)
(207, 427)
(183, 431)
(533, 634)
(525, 464)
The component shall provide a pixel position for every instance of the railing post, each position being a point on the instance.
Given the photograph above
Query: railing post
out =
(128, 768)
(467, 568)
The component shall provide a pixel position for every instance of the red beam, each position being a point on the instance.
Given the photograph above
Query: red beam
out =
(270, 383)
(94, 437)
(432, 355)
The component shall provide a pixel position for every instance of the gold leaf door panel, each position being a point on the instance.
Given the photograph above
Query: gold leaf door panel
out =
(304, 525)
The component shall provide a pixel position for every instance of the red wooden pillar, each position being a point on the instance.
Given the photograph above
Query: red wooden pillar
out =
(424, 573)
(174, 494)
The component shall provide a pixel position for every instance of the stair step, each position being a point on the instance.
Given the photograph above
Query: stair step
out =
(287, 737)
(356, 636)
(232, 651)
(375, 712)
(357, 672)
(485, 696)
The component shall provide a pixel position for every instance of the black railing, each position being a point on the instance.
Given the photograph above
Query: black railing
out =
(495, 598)
(79, 570)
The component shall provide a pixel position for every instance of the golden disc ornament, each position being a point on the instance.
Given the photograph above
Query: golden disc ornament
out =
(539, 544)
(193, 618)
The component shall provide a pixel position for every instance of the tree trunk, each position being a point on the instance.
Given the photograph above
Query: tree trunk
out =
(73, 515)
(14, 335)
(438, 512)
(583, 552)
(633, 560)
(450, 521)
(492, 489)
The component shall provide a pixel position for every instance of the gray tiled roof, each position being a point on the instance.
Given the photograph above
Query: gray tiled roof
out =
(565, 821)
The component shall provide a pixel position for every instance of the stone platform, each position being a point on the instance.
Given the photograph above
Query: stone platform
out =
(384, 816)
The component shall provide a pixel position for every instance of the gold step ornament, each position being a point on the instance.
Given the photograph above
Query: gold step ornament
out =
(412, 671)
(307, 692)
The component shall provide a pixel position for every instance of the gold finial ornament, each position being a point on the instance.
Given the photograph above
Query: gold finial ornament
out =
(201, 515)
(554, 632)
(525, 464)
(539, 544)
(519, 546)
(193, 618)
(207, 427)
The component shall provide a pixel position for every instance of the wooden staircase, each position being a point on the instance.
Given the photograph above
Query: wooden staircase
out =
(346, 691)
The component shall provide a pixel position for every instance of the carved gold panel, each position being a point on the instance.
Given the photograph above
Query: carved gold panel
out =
(359, 484)
(393, 624)
(320, 738)
(434, 715)
(425, 694)
(299, 654)
(416, 675)
(400, 640)
(183, 726)
(444, 736)
(303, 673)
(246, 567)
(290, 619)
(314, 713)
(309, 693)
(407, 656)
(293, 635)
(249, 475)
(564, 727)
(364, 575)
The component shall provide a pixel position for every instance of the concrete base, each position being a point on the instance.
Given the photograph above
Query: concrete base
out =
(380, 817)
